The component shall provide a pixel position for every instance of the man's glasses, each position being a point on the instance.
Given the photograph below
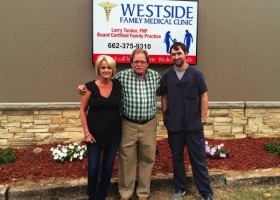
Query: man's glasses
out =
(136, 62)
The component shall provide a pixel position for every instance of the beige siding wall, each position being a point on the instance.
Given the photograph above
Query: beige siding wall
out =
(238, 48)
(46, 46)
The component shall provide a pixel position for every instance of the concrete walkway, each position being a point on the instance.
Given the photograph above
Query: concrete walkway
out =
(161, 185)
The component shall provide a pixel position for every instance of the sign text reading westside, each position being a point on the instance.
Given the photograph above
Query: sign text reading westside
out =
(157, 14)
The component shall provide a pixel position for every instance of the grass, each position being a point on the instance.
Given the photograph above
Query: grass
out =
(224, 193)
(247, 193)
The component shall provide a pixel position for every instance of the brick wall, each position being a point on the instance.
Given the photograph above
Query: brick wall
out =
(25, 124)
(232, 120)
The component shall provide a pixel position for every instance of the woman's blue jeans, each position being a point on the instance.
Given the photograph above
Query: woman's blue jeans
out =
(100, 168)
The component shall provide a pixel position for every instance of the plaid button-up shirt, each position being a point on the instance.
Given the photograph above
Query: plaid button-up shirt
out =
(139, 95)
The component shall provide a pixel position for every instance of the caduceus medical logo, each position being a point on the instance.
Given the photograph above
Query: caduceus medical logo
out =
(107, 7)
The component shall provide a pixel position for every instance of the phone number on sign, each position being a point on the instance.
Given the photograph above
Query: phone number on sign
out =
(129, 46)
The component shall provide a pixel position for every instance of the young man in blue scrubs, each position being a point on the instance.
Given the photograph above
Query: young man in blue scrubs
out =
(184, 106)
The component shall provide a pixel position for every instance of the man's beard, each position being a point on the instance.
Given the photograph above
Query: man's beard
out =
(178, 63)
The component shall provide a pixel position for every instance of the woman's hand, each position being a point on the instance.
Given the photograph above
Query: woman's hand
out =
(89, 138)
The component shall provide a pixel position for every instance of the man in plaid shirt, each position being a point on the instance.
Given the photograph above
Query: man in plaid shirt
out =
(138, 144)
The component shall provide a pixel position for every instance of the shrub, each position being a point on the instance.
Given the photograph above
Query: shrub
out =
(7, 156)
(273, 147)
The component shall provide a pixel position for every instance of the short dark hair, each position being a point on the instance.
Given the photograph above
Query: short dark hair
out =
(135, 51)
(178, 45)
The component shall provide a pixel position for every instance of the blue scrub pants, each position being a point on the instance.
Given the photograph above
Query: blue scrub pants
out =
(195, 144)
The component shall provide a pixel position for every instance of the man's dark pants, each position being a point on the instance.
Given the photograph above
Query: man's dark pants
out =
(195, 144)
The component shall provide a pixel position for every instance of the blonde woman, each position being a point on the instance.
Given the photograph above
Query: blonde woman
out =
(100, 117)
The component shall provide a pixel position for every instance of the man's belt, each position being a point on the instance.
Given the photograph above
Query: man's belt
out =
(138, 121)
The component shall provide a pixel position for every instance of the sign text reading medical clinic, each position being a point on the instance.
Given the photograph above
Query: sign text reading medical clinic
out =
(120, 26)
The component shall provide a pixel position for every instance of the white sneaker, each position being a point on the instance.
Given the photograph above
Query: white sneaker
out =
(208, 198)
(178, 196)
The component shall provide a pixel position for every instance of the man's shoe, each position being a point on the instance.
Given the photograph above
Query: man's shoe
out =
(142, 198)
(178, 195)
(208, 198)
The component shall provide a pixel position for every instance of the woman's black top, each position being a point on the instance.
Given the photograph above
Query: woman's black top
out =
(103, 117)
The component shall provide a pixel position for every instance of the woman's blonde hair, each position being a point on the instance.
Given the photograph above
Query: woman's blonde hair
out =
(111, 62)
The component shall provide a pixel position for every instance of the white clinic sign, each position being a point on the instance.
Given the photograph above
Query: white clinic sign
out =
(120, 26)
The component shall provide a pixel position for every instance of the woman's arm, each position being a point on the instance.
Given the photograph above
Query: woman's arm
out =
(83, 115)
